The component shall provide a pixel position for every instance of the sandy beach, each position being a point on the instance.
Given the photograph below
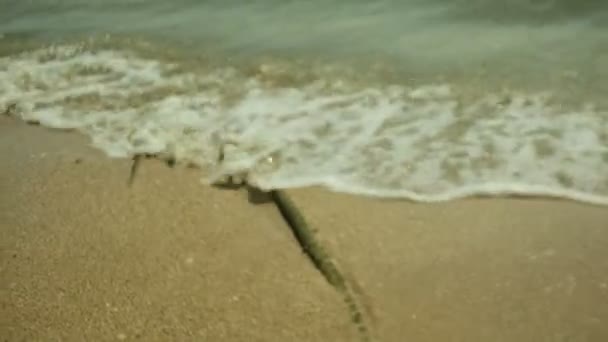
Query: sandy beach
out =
(84, 257)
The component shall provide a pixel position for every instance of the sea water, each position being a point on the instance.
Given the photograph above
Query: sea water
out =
(427, 100)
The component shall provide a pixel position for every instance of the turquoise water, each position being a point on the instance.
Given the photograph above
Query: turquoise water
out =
(427, 100)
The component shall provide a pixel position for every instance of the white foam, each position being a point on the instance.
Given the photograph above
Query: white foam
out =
(425, 143)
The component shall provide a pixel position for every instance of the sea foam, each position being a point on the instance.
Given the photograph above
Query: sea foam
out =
(424, 142)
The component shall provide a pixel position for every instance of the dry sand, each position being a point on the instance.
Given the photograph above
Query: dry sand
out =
(85, 258)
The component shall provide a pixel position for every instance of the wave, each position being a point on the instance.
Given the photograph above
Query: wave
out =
(294, 124)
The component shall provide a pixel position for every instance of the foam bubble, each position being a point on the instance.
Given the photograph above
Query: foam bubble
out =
(422, 142)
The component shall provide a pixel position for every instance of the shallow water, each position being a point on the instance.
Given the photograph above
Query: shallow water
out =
(427, 100)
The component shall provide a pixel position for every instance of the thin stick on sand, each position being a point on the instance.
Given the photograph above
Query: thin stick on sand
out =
(170, 161)
(134, 168)
(309, 244)
(303, 234)
(319, 257)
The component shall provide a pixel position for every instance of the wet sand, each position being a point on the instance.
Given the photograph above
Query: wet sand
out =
(470, 270)
(84, 257)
